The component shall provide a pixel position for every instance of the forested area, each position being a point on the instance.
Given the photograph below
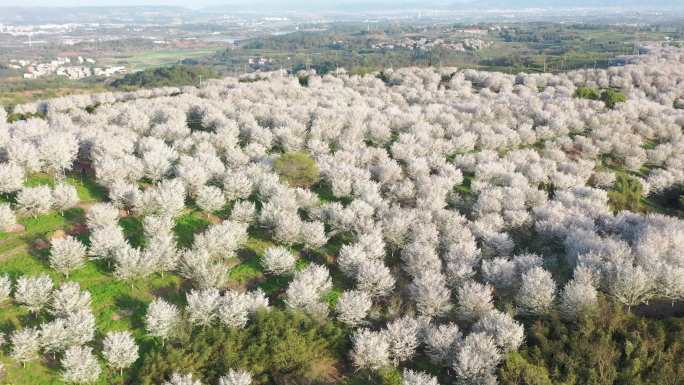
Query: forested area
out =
(418, 226)
(176, 75)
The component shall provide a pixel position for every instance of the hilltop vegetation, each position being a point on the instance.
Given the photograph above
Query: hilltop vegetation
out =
(413, 226)
(176, 75)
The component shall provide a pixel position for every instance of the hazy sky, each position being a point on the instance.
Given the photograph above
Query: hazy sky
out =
(82, 3)
(303, 4)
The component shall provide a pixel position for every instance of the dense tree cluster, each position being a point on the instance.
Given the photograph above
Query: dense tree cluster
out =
(68, 329)
(452, 202)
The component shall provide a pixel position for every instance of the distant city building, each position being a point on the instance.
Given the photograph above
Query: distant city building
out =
(61, 67)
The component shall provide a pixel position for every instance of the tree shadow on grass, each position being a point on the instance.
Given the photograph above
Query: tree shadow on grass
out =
(42, 254)
(187, 226)
(133, 309)
(173, 293)
(133, 231)
(74, 215)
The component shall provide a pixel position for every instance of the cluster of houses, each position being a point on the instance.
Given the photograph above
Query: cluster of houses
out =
(259, 61)
(71, 68)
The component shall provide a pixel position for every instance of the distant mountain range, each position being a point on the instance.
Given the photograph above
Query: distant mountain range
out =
(166, 14)
(374, 5)
(47, 15)
(652, 4)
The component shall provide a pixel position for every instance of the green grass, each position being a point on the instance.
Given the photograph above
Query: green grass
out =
(88, 190)
(187, 225)
(247, 271)
(133, 231)
(117, 305)
(34, 228)
(39, 180)
(121, 305)
(149, 59)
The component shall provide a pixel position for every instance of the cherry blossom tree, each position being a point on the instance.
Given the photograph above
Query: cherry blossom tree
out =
(500, 272)
(257, 301)
(11, 178)
(476, 359)
(202, 306)
(353, 306)
(418, 378)
(370, 349)
(130, 263)
(307, 289)
(243, 212)
(402, 335)
(25, 345)
(431, 294)
(313, 235)
(120, 350)
(278, 260)
(233, 310)
(7, 217)
(69, 299)
(54, 336)
(223, 239)
(577, 297)
(182, 379)
(210, 198)
(80, 327)
(670, 283)
(24, 154)
(631, 285)
(374, 278)
(80, 365)
(5, 288)
(237, 185)
(507, 333)
(67, 254)
(161, 319)
(166, 199)
(350, 257)
(163, 252)
(34, 201)
(124, 195)
(102, 215)
(58, 152)
(33, 292)
(64, 197)
(105, 241)
(474, 300)
(537, 291)
(442, 342)
(157, 159)
(236, 377)
(202, 269)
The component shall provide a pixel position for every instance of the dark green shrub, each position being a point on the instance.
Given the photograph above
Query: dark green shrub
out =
(612, 97)
(609, 96)
(386, 376)
(586, 93)
(626, 194)
(516, 370)
(276, 346)
(608, 347)
(175, 75)
(298, 169)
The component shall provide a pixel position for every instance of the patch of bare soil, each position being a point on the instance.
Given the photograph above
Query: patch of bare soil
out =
(17, 228)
